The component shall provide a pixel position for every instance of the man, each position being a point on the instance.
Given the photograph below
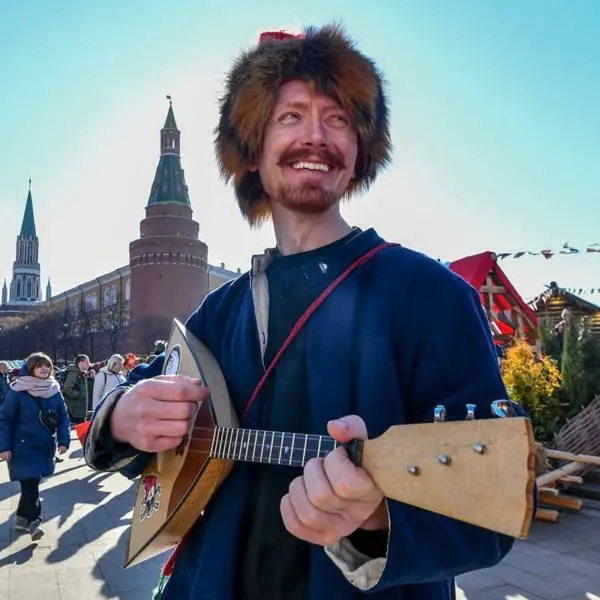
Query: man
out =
(4, 387)
(75, 388)
(304, 124)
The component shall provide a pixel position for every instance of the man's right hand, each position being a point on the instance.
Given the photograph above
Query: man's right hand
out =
(155, 414)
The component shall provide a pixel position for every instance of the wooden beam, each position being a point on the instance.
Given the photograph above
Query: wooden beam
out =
(546, 514)
(493, 289)
(571, 479)
(583, 458)
(546, 478)
(549, 491)
(562, 502)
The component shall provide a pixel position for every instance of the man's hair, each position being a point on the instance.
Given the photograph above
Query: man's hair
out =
(80, 358)
(328, 59)
(38, 359)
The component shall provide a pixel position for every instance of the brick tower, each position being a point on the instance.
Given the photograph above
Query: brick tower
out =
(169, 275)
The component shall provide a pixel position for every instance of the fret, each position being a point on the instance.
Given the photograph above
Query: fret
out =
(304, 451)
(319, 446)
(271, 446)
(292, 450)
(215, 445)
(221, 440)
(212, 446)
(246, 442)
(254, 447)
(226, 443)
(262, 445)
(237, 434)
(280, 449)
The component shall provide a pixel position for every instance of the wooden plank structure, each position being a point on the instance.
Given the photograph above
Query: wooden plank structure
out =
(549, 305)
(508, 314)
(553, 485)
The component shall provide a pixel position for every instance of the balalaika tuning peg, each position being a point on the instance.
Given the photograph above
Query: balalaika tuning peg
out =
(503, 409)
(439, 414)
(471, 412)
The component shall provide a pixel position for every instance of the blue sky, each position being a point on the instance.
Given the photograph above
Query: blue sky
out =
(495, 122)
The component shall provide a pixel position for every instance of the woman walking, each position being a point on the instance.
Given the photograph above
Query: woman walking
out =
(108, 378)
(33, 419)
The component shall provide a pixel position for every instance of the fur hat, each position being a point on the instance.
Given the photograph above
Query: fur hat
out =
(328, 58)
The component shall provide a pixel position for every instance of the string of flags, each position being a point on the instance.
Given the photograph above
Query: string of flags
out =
(548, 253)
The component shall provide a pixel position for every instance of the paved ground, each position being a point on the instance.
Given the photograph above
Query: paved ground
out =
(87, 513)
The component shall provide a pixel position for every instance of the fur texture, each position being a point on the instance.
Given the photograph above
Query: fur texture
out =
(327, 58)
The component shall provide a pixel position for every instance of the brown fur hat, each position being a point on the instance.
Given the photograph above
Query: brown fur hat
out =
(327, 58)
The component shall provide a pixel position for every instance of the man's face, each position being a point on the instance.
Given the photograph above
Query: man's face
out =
(309, 150)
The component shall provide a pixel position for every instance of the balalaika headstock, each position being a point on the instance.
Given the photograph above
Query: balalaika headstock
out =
(480, 471)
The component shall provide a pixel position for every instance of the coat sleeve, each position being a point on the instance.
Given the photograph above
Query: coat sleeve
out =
(98, 390)
(8, 413)
(457, 365)
(69, 386)
(101, 451)
(64, 429)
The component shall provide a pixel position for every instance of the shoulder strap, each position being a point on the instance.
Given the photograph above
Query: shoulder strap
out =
(309, 312)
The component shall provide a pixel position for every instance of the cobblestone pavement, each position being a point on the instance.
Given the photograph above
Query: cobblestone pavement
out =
(87, 513)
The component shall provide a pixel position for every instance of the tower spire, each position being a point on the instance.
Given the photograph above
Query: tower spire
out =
(25, 285)
(169, 180)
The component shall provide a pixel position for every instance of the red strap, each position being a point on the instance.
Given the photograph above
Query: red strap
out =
(309, 312)
(168, 568)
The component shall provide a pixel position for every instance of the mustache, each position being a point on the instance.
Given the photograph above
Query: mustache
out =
(305, 154)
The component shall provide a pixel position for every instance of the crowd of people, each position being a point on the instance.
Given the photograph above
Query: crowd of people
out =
(39, 403)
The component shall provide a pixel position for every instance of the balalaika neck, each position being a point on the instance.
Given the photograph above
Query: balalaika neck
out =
(276, 447)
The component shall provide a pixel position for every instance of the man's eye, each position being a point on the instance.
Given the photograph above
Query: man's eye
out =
(289, 117)
(339, 120)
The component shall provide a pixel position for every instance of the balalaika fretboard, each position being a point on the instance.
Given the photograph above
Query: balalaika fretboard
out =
(275, 447)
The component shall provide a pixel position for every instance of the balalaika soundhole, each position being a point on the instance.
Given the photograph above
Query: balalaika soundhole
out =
(488, 461)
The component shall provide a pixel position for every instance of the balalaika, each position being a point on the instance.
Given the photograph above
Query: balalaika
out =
(477, 471)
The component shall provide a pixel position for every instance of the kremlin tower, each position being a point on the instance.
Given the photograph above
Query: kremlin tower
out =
(169, 271)
(25, 285)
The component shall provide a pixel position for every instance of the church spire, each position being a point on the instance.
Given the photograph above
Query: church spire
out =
(169, 180)
(28, 224)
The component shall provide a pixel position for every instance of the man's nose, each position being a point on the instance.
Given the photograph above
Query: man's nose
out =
(316, 133)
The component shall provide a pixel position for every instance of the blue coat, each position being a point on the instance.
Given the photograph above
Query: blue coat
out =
(400, 336)
(32, 446)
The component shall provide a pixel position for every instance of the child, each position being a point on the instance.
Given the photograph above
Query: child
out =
(33, 418)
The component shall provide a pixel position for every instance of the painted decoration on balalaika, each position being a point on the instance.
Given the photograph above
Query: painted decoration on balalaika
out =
(173, 361)
(419, 464)
(152, 489)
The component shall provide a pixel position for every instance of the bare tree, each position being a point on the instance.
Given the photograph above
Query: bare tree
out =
(115, 321)
(90, 326)
(10, 342)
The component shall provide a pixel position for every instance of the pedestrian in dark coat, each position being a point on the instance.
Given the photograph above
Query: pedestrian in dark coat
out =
(33, 420)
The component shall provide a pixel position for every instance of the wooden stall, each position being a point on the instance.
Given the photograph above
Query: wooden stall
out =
(550, 304)
(508, 314)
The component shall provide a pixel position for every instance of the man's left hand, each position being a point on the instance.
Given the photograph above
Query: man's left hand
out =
(334, 498)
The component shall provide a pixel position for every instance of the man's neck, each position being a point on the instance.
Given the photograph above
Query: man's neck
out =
(296, 232)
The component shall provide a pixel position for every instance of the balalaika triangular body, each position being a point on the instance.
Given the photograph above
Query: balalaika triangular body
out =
(480, 471)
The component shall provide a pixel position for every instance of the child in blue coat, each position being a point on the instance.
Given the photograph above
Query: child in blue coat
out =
(33, 419)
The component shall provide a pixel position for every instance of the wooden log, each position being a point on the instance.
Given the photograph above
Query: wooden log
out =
(583, 458)
(571, 479)
(561, 502)
(546, 514)
(548, 491)
(568, 469)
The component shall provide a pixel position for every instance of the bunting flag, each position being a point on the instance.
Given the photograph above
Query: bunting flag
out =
(549, 253)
